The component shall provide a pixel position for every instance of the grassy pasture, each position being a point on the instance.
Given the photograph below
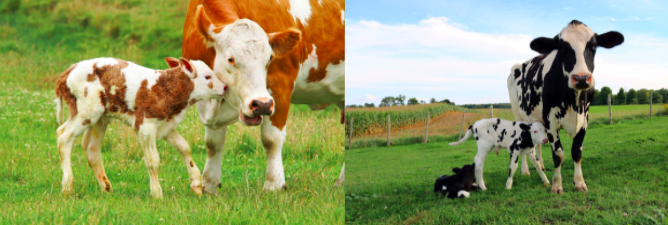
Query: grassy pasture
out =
(41, 38)
(623, 164)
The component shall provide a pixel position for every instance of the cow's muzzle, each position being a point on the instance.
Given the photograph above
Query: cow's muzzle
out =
(581, 81)
(262, 107)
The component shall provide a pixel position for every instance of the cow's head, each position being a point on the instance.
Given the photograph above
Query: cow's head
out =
(243, 53)
(206, 85)
(576, 46)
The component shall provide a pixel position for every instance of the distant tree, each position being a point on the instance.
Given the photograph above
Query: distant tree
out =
(423, 102)
(631, 97)
(387, 101)
(432, 100)
(643, 96)
(605, 91)
(369, 105)
(657, 97)
(664, 93)
(399, 100)
(596, 97)
(620, 98)
(447, 101)
(413, 101)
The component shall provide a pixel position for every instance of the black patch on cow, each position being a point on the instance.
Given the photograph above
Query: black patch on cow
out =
(576, 152)
(476, 138)
(471, 127)
(488, 131)
(514, 123)
(589, 52)
(576, 22)
(513, 136)
(550, 137)
(529, 96)
(476, 130)
(555, 158)
(503, 133)
(496, 126)
(524, 126)
(517, 73)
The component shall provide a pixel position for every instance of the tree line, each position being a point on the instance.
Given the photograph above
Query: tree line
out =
(399, 100)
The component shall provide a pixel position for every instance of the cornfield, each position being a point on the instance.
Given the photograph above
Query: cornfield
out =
(375, 120)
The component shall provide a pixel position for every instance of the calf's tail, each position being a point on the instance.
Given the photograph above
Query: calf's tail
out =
(60, 115)
(466, 136)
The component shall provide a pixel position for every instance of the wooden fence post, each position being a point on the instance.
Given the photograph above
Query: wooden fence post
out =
(388, 129)
(350, 138)
(491, 111)
(426, 129)
(609, 109)
(462, 126)
(650, 103)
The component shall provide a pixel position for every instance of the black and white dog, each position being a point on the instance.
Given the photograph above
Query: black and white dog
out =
(458, 185)
(519, 138)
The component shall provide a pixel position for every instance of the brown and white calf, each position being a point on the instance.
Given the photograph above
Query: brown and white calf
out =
(153, 102)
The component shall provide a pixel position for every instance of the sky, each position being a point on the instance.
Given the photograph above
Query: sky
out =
(463, 50)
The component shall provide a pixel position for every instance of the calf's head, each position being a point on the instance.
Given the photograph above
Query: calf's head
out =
(537, 132)
(243, 53)
(207, 86)
(576, 46)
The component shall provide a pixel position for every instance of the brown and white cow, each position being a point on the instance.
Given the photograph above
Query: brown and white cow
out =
(270, 54)
(153, 102)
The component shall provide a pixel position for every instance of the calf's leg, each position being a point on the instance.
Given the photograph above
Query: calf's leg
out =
(151, 158)
(479, 163)
(525, 166)
(514, 157)
(177, 141)
(558, 158)
(534, 160)
(66, 134)
(92, 144)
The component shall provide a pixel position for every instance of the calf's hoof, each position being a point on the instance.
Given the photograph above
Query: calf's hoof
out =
(526, 173)
(582, 188)
(557, 190)
(546, 184)
(197, 189)
(274, 186)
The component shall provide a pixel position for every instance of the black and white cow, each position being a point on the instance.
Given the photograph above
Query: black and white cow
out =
(556, 88)
(458, 185)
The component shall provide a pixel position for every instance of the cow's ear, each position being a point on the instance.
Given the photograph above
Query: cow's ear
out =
(543, 45)
(525, 127)
(203, 23)
(187, 67)
(172, 62)
(283, 42)
(610, 39)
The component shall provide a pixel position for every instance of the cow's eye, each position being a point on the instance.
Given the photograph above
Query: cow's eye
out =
(231, 60)
(208, 77)
(535, 131)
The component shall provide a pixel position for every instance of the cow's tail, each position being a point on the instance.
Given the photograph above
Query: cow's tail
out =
(466, 136)
(60, 107)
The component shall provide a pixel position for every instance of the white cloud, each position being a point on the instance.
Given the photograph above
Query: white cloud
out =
(438, 58)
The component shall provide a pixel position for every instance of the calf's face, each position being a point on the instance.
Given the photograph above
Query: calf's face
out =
(576, 46)
(537, 131)
(207, 86)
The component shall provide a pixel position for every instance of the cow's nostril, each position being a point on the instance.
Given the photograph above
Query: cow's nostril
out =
(225, 88)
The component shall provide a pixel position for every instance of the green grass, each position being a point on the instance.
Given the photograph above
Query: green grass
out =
(624, 166)
(39, 39)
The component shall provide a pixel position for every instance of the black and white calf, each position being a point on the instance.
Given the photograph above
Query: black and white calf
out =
(458, 185)
(519, 138)
(555, 88)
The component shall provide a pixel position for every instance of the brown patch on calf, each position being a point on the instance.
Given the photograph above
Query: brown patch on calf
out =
(107, 185)
(192, 164)
(113, 81)
(86, 122)
(63, 91)
(210, 85)
(165, 99)
(86, 92)
(192, 101)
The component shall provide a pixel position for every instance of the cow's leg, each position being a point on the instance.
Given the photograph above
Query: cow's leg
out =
(576, 153)
(92, 144)
(525, 166)
(147, 138)
(534, 160)
(215, 144)
(342, 178)
(273, 138)
(177, 141)
(558, 158)
(479, 160)
(514, 157)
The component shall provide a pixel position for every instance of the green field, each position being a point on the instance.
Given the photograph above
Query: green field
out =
(41, 38)
(624, 166)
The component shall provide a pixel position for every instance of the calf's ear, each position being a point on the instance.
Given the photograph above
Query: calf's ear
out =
(172, 62)
(610, 39)
(283, 42)
(187, 67)
(543, 45)
(525, 127)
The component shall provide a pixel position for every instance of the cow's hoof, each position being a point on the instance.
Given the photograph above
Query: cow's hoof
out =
(582, 188)
(546, 184)
(66, 191)
(526, 173)
(274, 186)
(210, 187)
(557, 190)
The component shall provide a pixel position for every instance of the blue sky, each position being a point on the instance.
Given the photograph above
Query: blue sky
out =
(463, 50)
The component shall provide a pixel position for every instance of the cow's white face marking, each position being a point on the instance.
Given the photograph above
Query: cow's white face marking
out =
(243, 54)
(577, 37)
(300, 9)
